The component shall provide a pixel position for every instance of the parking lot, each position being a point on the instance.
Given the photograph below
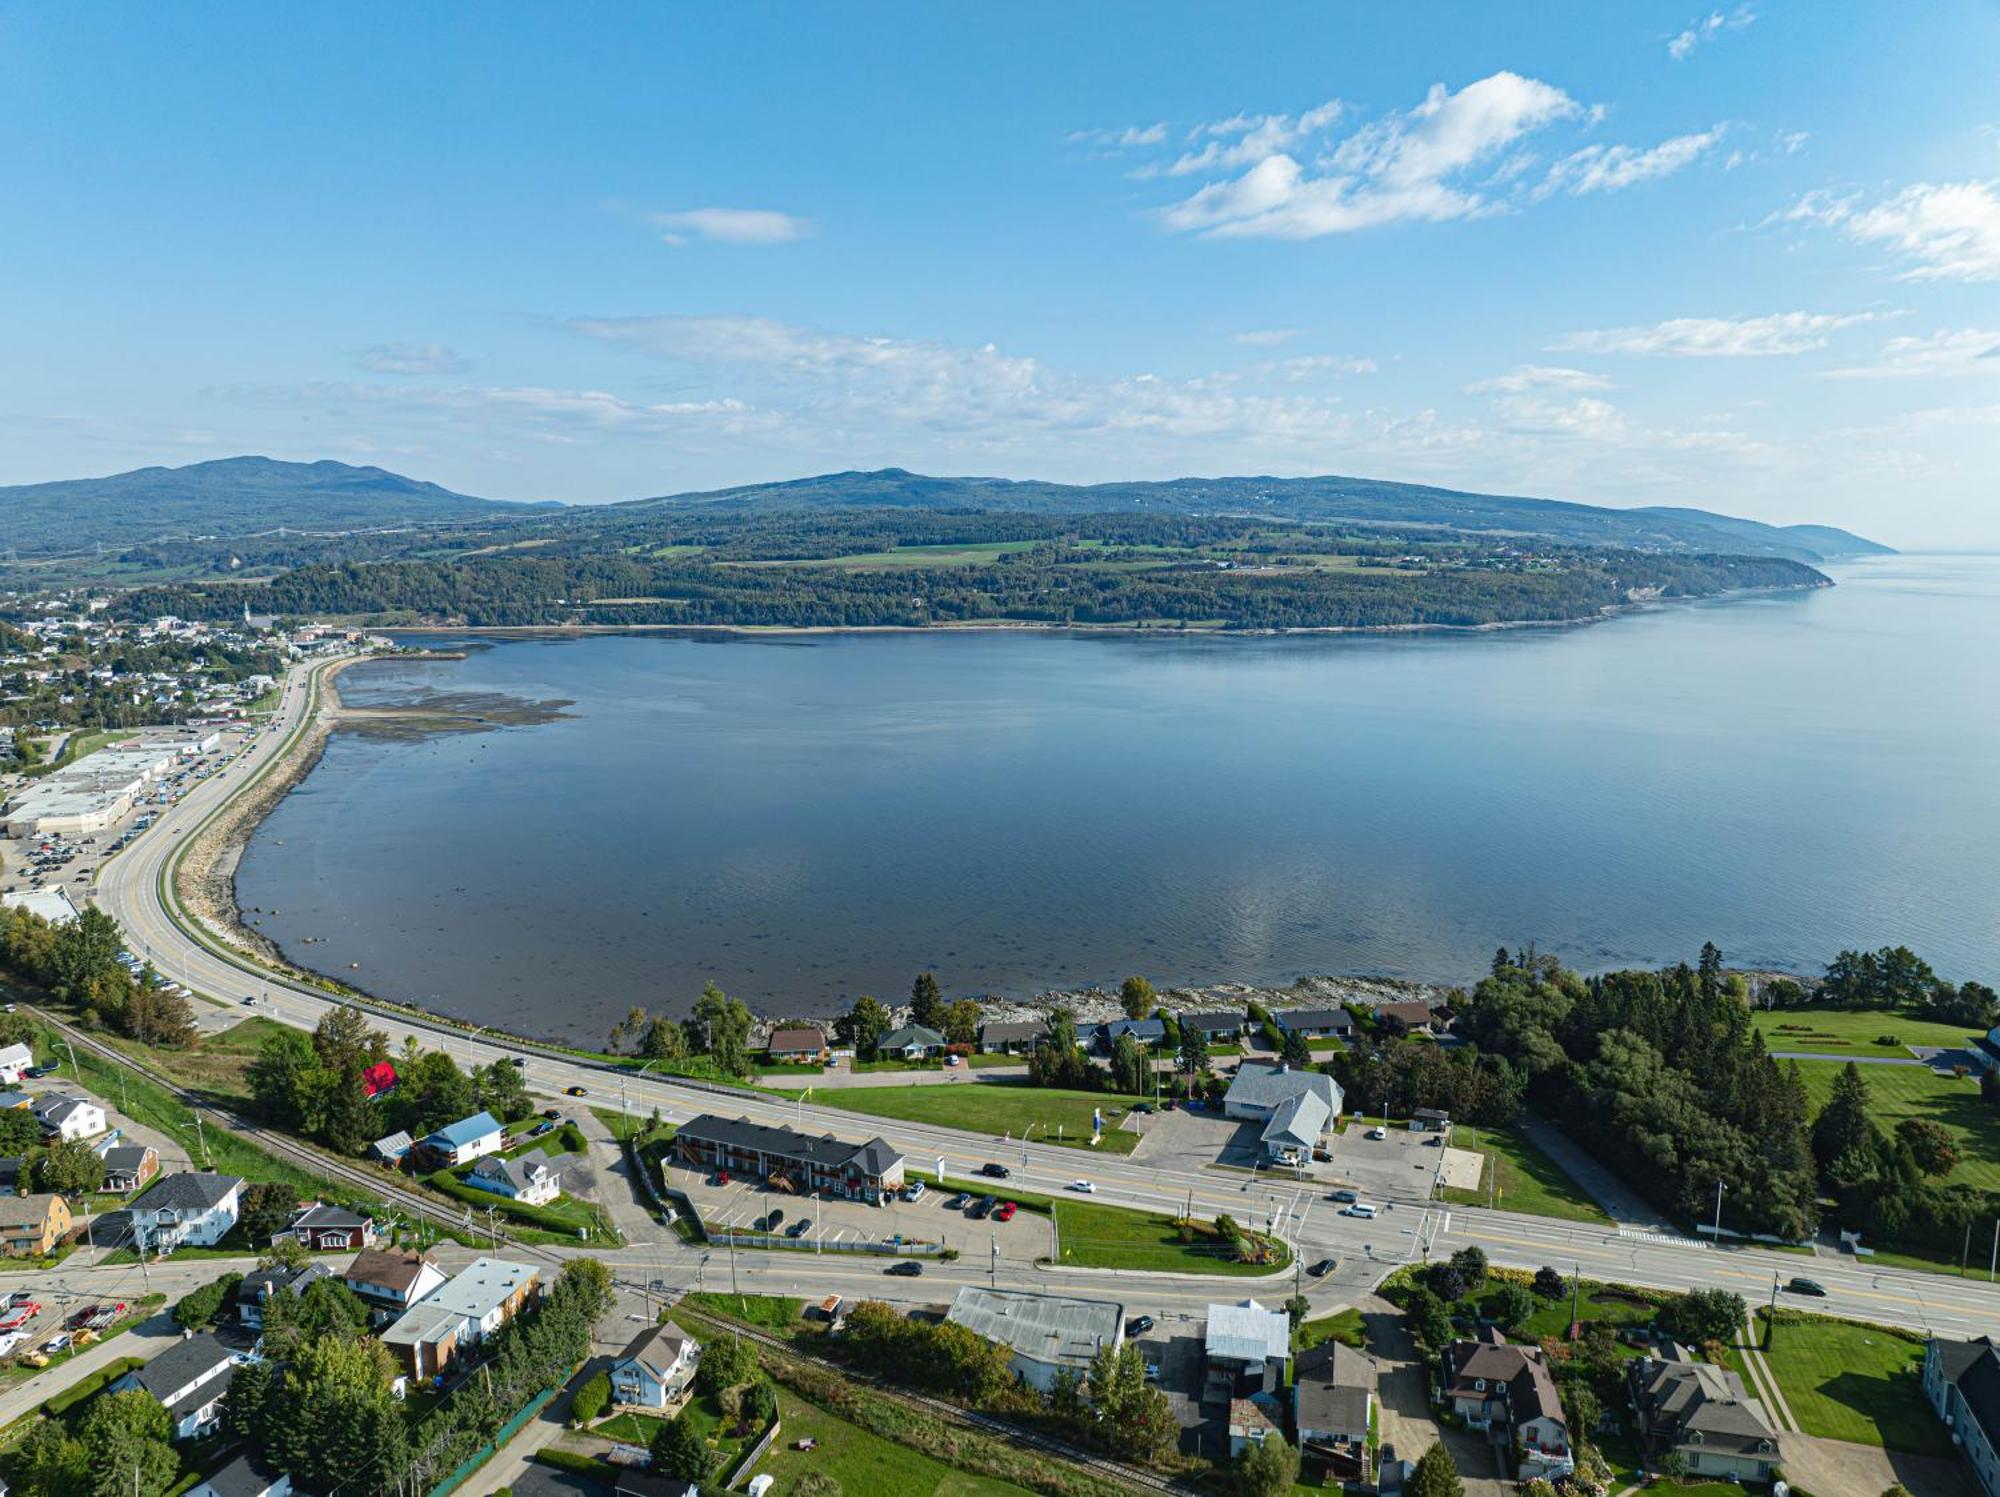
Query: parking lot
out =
(1402, 1166)
(745, 1203)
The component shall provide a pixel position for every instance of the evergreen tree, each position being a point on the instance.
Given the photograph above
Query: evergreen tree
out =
(926, 1002)
(1296, 1051)
(1436, 1475)
(1843, 1124)
(1137, 996)
(679, 1451)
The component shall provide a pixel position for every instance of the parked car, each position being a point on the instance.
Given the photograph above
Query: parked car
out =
(11, 1339)
(914, 1191)
(546, 1125)
(772, 1222)
(995, 1171)
(551, 1112)
(799, 1228)
(1142, 1108)
(952, 1060)
(1810, 1287)
(982, 1208)
(81, 1318)
(14, 1297)
(1006, 1212)
(1322, 1268)
(1378, 1132)
(1138, 1325)
(909, 1268)
(958, 1202)
(19, 1316)
(722, 1177)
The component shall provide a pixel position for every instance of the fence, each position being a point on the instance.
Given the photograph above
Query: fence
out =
(884, 1249)
(753, 1455)
(485, 1452)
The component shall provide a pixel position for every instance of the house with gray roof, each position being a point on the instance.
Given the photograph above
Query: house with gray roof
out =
(1296, 1107)
(791, 1160)
(193, 1208)
(1962, 1382)
(1706, 1414)
(1046, 1335)
(532, 1179)
(1333, 1396)
(1493, 1384)
(246, 1476)
(912, 1042)
(1216, 1026)
(127, 1167)
(1147, 1032)
(188, 1379)
(1009, 1038)
(1315, 1023)
(1246, 1348)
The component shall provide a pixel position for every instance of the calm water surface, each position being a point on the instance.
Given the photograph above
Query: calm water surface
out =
(807, 819)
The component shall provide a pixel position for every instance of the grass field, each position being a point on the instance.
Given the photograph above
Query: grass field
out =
(1847, 1381)
(1900, 1092)
(774, 1312)
(1094, 1236)
(1850, 1031)
(1345, 1326)
(995, 1107)
(861, 1462)
(943, 555)
(216, 1065)
(1528, 1180)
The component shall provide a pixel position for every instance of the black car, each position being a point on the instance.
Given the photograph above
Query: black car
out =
(995, 1171)
(515, 1060)
(551, 1112)
(982, 1208)
(909, 1268)
(1322, 1268)
(771, 1222)
(1810, 1287)
(1138, 1325)
(799, 1228)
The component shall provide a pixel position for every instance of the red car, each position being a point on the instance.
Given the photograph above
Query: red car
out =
(1006, 1212)
(722, 1177)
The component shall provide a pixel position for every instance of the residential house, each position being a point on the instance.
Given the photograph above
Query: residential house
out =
(1221, 1029)
(465, 1140)
(1333, 1398)
(1416, 1017)
(1251, 1423)
(189, 1379)
(257, 1289)
(391, 1280)
(1315, 1023)
(246, 1476)
(13, 1099)
(1492, 1384)
(1296, 1107)
(14, 1063)
(1147, 1032)
(793, 1046)
(471, 1306)
(1012, 1038)
(1047, 1335)
(1962, 1381)
(189, 1208)
(1246, 1348)
(912, 1042)
(127, 1167)
(655, 1368)
(393, 1149)
(32, 1225)
(10, 1174)
(532, 1179)
(69, 1118)
(378, 1080)
(321, 1228)
(791, 1160)
(1706, 1413)
(632, 1481)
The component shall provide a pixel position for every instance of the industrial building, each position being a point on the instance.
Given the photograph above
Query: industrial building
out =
(1047, 1334)
(92, 793)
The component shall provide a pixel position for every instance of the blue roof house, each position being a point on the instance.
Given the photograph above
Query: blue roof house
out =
(466, 1140)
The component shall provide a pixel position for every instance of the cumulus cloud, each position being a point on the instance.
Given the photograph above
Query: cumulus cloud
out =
(1698, 33)
(1120, 139)
(730, 226)
(1538, 377)
(410, 358)
(1945, 230)
(1600, 168)
(1717, 337)
(1454, 155)
(1965, 351)
(1264, 337)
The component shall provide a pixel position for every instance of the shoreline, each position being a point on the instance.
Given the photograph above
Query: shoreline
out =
(1029, 626)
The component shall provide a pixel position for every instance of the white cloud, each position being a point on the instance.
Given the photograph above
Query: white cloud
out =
(1264, 337)
(1707, 29)
(1120, 139)
(1716, 337)
(410, 358)
(1305, 366)
(1598, 168)
(1949, 230)
(1396, 169)
(1243, 138)
(1966, 351)
(730, 226)
(1538, 377)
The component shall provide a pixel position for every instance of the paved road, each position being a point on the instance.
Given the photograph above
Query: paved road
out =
(131, 890)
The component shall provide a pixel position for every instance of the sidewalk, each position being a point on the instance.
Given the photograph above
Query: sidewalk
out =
(1623, 1205)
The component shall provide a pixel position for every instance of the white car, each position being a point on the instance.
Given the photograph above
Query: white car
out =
(1083, 1187)
(10, 1340)
(1378, 1132)
(1359, 1208)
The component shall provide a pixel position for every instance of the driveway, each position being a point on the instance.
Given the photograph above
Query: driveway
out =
(1836, 1468)
(1406, 1421)
(601, 1174)
(1622, 1204)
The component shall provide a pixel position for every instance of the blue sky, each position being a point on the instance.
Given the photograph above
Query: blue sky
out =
(1746, 258)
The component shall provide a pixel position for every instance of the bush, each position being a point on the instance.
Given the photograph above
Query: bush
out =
(572, 1138)
(569, 1460)
(61, 1403)
(592, 1399)
(199, 1308)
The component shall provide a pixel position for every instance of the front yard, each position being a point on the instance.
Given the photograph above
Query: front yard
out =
(1001, 1108)
(1528, 1180)
(1849, 1381)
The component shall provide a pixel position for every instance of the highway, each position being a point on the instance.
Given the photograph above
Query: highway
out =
(133, 888)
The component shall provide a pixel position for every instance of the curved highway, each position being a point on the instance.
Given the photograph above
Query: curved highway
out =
(134, 889)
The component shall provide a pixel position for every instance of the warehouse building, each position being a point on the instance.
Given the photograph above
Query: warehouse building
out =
(1047, 1334)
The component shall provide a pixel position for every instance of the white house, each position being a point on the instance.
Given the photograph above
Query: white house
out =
(69, 1118)
(190, 1208)
(655, 1368)
(466, 1140)
(246, 1476)
(14, 1062)
(531, 1179)
(189, 1379)
(391, 1280)
(1296, 1107)
(1962, 1381)
(470, 1307)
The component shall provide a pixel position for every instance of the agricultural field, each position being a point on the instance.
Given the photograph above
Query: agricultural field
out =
(1899, 1092)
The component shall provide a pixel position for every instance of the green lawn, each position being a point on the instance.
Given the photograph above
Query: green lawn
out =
(861, 1462)
(995, 1107)
(1900, 1092)
(1848, 1381)
(774, 1312)
(1835, 1031)
(948, 554)
(1345, 1326)
(1528, 1180)
(1094, 1236)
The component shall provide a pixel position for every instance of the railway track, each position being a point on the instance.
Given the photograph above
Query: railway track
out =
(1013, 1434)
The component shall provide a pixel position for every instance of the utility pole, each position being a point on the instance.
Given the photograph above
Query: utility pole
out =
(1718, 1213)
(995, 1269)
(1575, 1295)
(1964, 1248)
(1993, 1267)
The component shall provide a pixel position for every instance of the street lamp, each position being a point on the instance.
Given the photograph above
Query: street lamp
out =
(624, 1110)
(468, 1044)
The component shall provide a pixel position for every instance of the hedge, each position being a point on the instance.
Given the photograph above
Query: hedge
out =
(534, 1216)
(61, 1403)
(569, 1460)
